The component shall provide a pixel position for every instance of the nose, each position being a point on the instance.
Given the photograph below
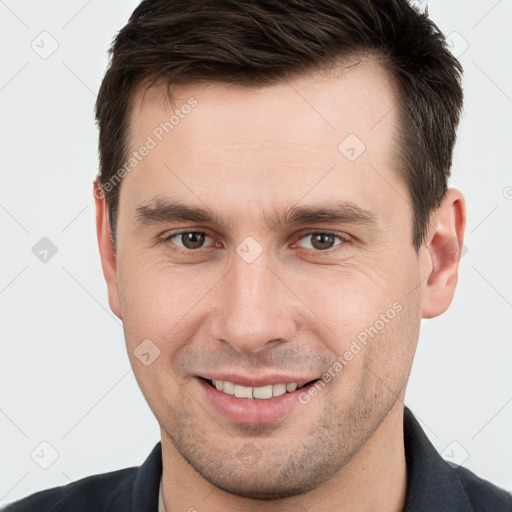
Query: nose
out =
(255, 309)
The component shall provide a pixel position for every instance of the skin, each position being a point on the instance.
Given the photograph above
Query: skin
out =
(248, 153)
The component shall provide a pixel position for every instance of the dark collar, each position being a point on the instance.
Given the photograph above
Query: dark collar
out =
(147, 482)
(432, 484)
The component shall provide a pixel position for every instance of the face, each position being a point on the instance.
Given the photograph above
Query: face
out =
(266, 239)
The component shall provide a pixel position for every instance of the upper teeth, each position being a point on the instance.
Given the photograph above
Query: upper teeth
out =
(262, 392)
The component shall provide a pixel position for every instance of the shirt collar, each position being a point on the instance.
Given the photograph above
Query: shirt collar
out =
(432, 484)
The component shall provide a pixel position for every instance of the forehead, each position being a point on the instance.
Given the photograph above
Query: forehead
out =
(356, 95)
(316, 135)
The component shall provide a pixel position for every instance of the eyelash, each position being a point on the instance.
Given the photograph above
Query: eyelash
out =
(343, 238)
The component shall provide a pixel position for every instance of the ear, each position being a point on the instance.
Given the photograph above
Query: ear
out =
(443, 252)
(106, 246)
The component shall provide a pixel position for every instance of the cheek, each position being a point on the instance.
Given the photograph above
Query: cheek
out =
(368, 316)
(158, 301)
(350, 299)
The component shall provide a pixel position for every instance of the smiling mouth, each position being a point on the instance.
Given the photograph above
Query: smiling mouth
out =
(256, 393)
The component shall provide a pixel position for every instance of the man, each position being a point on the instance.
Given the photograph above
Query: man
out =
(274, 221)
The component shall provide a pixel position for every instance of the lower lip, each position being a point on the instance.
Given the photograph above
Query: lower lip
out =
(253, 412)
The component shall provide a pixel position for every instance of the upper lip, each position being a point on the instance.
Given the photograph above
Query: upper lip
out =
(257, 381)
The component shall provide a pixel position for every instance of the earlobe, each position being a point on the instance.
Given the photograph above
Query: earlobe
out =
(106, 247)
(444, 250)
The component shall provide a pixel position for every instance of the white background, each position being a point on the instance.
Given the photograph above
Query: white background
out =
(66, 378)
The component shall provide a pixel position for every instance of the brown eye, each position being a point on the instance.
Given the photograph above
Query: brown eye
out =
(322, 241)
(190, 240)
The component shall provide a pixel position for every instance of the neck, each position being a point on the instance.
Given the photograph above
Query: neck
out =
(374, 479)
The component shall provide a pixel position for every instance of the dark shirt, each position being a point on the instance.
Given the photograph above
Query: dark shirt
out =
(433, 485)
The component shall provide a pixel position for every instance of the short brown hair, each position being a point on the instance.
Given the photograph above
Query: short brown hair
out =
(260, 42)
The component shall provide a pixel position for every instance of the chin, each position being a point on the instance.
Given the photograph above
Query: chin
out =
(266, 489)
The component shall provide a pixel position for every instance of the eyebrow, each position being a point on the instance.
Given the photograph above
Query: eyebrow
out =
(160, 211)
(344, 212)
